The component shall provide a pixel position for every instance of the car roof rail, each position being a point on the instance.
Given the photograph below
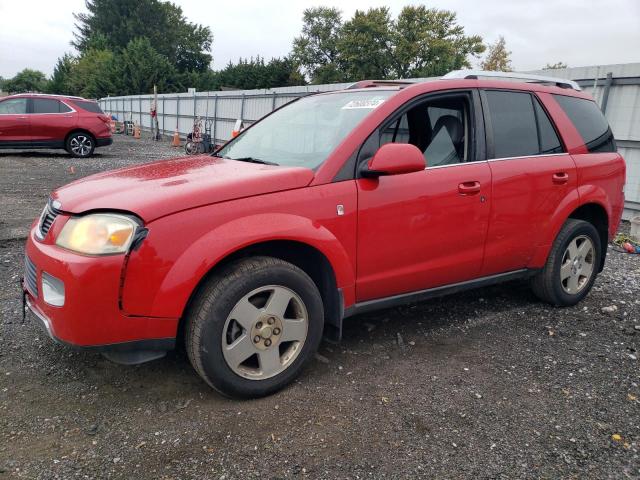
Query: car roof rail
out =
(47, 95)
(527, 77)
(380, 83)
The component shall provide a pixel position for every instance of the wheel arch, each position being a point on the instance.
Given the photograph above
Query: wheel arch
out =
(597, 215)
(79, 130)
(303, 255)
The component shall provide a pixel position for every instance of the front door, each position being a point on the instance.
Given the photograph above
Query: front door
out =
(14, 122)
(425, 229)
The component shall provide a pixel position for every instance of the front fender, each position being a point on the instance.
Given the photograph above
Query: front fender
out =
(174, 279)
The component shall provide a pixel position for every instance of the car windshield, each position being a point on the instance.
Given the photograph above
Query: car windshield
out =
(305, 132)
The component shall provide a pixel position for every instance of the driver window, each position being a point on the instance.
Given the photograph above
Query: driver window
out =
(439, 128)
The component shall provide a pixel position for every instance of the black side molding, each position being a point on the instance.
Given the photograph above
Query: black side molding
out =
(422, 295)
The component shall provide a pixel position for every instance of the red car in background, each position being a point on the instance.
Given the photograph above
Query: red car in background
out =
(53, 121)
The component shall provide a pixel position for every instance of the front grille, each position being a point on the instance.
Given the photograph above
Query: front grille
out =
(30, 276)
(46, 220)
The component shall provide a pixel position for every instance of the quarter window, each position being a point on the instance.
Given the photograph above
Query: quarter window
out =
(13, 106)
(589, 121)
(548, 138)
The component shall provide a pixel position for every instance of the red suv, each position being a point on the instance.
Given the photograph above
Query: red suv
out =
(335, 204)
(53, 121)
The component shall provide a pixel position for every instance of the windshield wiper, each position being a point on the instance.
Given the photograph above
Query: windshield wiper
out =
(253, 160)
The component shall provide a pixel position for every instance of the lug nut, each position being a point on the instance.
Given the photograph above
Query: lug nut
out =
(271, 320)
(259, 325)
(267, 342)
(276, 331)
(256, 339)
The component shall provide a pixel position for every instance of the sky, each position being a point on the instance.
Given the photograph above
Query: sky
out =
(34, 33)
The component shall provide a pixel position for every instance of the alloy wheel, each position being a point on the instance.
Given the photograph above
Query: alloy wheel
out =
(265, 332)
(81, 145)
(577, 265)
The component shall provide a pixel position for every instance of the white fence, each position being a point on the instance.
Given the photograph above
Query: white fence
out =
(616, 88)
(177, 111)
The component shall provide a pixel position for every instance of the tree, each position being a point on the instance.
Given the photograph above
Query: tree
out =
(429, 42)
(60, 80)
(365, 45)
(115, 23)
(93, 74)
(497, 58)
(27, 80)
(316, 49)
(555, 66)
(2, 82)
(139, 67)
(255, 73)
(421, 42)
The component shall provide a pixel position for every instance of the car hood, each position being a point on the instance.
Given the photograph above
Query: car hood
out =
(160, 188)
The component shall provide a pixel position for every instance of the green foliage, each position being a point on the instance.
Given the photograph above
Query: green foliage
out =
(112, 24)
(429, 42)
(255, 73)
(421, 42)
(316, 49)
(365, 45)
(139, 67)
(27, 80)
(555, 66)
(497, 58)
(92, 75)
(60, 80)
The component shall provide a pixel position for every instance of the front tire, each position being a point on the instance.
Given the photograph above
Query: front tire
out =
(80, 145)
(572, 265)
(253, 326)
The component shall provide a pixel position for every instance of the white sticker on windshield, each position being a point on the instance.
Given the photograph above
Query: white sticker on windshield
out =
(366, 103)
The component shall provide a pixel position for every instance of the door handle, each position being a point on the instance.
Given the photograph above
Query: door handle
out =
(22, 118)
(469, 188)
(560, 178)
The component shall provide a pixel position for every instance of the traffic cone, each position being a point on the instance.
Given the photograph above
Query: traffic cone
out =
(237, 128)
(136, 131)
(176, 139)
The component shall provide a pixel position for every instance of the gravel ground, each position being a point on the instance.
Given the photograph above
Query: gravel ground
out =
(486, 384)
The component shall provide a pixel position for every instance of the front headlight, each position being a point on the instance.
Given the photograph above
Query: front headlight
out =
(98, 234)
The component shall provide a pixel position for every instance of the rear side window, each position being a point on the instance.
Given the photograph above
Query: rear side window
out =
(590, 123)
(514, 124)
(521, 127)
(48, 105)
(92, 107)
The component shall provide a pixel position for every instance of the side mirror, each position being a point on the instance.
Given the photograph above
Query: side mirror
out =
(395, 159)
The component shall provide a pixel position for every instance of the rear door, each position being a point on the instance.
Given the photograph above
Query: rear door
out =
(531, 175)
(425, 229)
(50, 120)
(14, 123)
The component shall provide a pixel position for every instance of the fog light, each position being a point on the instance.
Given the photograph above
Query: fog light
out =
(52, 290)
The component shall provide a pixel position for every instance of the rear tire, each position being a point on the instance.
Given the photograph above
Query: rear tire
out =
(253, 326)
(572, 265)
(80, 145)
